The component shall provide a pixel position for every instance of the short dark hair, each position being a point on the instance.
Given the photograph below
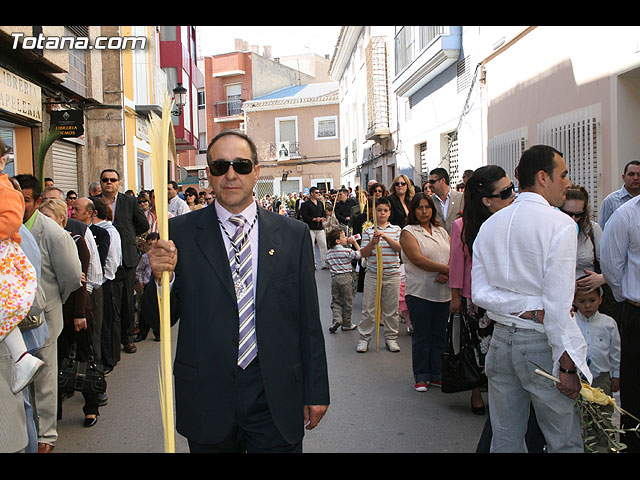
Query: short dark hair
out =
(313, 189)
(101, 208)
(442, 173)
(533, 160)
(383, 201)
(173, 183)
(343, 190)
(632, 162)
(113, 170)
(31, 182)
(71, 192)
(252, 146)
(333, 236)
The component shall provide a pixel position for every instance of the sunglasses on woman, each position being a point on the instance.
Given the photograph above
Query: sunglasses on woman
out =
(574, 214)
(220, 167)
(505, 193)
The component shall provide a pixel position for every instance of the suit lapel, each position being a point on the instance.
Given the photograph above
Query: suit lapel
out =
(268, 251)
(209, 239)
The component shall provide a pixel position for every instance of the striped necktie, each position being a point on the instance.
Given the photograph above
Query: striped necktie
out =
(240, 263)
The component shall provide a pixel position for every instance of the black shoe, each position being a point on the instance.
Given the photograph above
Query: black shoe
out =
(478, 410)
(156, 337)
(334, 327)
(140, 337)
(90, 422)
(102, 399)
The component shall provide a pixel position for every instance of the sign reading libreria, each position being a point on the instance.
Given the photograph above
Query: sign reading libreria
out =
(20, 96)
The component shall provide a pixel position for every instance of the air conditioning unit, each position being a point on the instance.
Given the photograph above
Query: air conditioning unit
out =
(202, 174)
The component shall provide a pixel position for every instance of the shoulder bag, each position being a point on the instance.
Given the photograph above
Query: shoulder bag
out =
(460, 370)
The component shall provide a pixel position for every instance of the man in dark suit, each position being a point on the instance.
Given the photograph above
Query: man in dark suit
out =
(448, 202)
(130, 221)
(263, 266)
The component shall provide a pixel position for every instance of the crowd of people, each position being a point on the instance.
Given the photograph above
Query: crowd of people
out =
(534, 281)
(520, 261)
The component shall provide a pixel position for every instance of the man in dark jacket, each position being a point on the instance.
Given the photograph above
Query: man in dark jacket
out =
(343, 207)
(312, 213)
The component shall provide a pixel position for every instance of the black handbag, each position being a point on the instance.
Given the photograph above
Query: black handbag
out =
(81, 376)
(460, 370)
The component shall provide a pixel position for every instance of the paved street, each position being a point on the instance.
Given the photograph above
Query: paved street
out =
(374, 407)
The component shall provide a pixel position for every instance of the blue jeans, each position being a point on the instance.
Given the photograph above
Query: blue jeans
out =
(514, 385)
(429, 321)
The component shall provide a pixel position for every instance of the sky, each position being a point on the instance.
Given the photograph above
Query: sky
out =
(284, 40)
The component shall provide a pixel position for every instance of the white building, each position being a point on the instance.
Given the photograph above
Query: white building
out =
(362, 64)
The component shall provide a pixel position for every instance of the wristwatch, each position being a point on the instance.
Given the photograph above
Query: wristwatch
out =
(570, 372)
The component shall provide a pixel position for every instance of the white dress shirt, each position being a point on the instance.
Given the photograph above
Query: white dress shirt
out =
(178, 206)
(249, 215)
(114, 256)
(601, 334)
(620, 251)
(524, 258)
(94, 272)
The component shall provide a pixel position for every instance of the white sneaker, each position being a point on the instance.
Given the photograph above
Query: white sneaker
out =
(24, 372)
(363, 346)
(392, 346)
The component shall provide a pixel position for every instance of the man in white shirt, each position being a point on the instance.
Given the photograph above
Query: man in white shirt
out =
(620, 263)
(523, 274)
(177, 206)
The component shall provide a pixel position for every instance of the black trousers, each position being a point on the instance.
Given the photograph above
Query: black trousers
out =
(123, 292)
(630, 372)
(254, 430)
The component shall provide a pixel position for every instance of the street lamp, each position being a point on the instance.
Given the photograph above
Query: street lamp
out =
(180, 96)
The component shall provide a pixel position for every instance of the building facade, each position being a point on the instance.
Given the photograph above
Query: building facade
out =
(368, 137)
(296, 132)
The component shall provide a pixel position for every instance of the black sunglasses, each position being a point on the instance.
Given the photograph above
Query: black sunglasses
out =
(505, 193)
(432, 181)
(107, 180)
(220, 167)
(574, 214)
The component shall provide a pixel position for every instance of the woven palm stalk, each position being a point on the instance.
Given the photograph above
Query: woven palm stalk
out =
(162, 145)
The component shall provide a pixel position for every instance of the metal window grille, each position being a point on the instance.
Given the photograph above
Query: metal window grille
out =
(577, 135)
(505, 150)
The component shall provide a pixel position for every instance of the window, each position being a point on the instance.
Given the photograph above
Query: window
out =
(76, 79)
(326, 127)
(287, 129)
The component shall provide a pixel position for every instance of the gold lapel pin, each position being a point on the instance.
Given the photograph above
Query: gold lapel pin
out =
(271, 252)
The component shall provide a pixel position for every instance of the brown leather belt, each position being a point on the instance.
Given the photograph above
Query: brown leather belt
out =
(637, 304)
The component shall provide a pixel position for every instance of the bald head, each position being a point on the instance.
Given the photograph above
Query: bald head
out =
(82, 210)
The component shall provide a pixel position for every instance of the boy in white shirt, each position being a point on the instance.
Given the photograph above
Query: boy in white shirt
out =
(603, 340)
(603, 348)
(339, 258)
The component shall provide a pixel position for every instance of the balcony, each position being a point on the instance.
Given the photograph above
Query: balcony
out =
(419, 62)
(228, 111)
(150, 84)
(291, 152)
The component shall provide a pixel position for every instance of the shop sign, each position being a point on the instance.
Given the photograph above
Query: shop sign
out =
(69, 123)
(19, 96)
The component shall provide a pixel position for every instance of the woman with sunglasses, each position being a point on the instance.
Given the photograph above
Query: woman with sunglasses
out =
(400, 194)
(588, 275)
(488, 190)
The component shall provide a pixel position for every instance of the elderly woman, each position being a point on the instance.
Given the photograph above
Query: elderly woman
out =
(425, 254)
(76, 312)
(488, 190)
(401, 192)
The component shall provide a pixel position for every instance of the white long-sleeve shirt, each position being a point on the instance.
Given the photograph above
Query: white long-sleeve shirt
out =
(620, 251)
(603, 339)
(114, 256)
(524, 258)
